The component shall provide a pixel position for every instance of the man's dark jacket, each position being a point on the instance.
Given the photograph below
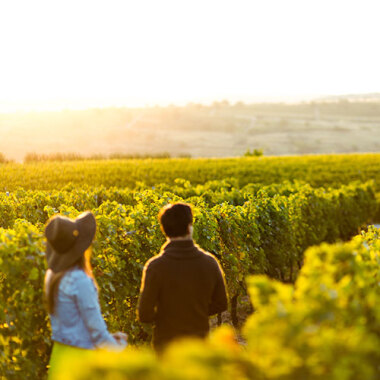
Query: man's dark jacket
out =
(180, 288)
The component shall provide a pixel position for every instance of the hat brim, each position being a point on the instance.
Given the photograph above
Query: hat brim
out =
(86, 226)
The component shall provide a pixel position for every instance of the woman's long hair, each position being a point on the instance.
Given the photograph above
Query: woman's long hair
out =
(52, 280)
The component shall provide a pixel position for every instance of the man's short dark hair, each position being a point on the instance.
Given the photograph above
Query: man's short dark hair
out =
(175, 219)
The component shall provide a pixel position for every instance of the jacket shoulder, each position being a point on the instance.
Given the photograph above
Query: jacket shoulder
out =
(207, 255)
(154, 261)
(209, 258)
(78, 279)
(78, 275)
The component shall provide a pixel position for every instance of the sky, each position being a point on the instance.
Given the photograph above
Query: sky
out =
(79, 54)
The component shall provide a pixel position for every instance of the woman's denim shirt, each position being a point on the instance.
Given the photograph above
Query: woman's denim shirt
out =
(77, 320)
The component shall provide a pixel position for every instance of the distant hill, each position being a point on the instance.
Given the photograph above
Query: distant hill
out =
(370, 97)
(340, 124)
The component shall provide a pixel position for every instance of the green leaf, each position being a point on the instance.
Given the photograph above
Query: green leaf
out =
(33, 275)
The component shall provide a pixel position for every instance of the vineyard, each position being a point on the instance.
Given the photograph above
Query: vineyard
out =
(325, 326)
(318, 170)
(314, 313)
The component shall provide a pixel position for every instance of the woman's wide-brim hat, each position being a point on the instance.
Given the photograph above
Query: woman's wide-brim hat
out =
(68, 239)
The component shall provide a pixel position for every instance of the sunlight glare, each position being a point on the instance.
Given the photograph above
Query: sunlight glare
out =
(83, 54)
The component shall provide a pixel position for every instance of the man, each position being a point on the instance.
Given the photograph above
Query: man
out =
(183, 285)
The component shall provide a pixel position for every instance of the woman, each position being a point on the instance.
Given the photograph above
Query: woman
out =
(71, 290)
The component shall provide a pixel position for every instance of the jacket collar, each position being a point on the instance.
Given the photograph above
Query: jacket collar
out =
(180, 249)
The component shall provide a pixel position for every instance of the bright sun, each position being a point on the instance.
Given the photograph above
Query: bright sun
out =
(77, 54)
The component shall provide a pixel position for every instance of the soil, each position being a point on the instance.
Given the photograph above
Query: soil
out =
(244, 310)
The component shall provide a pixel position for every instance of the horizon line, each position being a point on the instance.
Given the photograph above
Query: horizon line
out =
(75, 105)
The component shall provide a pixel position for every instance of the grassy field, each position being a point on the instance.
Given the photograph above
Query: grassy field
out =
(218, 130)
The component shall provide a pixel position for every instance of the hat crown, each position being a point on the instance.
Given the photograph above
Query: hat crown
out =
(62, 234)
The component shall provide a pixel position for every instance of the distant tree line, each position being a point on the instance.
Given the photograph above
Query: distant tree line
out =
(35, 157)
(3, 159)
